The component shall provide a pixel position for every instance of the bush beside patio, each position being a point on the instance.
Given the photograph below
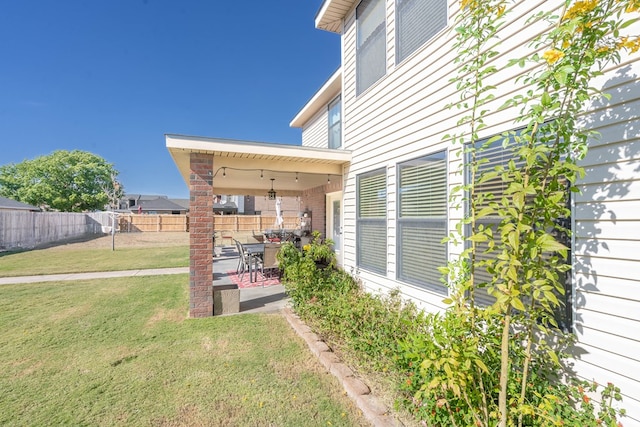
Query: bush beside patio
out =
(442, 369)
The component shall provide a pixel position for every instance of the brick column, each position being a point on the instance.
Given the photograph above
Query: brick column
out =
(201, 236)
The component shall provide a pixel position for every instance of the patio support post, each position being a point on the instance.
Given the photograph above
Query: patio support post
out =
(201, 235)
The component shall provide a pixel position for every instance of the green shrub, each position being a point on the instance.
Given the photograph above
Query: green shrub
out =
(451, 366)
(448, 364)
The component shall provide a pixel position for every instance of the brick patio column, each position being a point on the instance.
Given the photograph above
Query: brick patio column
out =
(201, 235)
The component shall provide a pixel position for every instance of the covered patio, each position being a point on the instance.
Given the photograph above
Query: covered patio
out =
(211, 166)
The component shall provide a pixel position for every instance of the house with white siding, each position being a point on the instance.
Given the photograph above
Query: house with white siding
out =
(382, 117)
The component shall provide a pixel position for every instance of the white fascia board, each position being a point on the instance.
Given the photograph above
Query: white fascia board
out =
(212, 145)
(324, 95)
(331, 14)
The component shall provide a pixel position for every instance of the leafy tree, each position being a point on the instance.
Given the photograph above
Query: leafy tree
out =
(68, 181)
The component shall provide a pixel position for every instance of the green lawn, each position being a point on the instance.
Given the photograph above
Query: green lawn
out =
(52, 261)
(121, 352)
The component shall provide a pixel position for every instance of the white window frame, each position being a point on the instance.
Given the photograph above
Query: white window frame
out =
(371, 221)
(371, 43)
(418, 21)
(422, 221)
(335, 126)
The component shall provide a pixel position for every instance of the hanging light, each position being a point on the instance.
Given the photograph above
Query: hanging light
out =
(328, 179)
(261, 175)
(272, 192)
(224, 172)
(296, 176)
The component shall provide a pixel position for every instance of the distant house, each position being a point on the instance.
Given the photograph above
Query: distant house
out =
(153, 204)
(13, 205)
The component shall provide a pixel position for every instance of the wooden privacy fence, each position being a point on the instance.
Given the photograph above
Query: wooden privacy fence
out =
(25, 230)
(31, 229)
(247, 223)
(129, 223)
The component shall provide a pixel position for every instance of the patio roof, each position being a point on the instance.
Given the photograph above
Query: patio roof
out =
(248, 167)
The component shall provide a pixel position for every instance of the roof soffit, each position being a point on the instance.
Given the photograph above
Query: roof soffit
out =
(332, 13)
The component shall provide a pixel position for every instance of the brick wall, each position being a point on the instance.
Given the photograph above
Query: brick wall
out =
(200, 236)
(314, 200)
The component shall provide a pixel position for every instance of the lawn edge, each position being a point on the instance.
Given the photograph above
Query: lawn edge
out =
(373, 410)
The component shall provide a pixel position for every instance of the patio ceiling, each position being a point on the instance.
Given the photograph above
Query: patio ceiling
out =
(239, 165)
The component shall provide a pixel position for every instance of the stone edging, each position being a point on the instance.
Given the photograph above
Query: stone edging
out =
(372, 408)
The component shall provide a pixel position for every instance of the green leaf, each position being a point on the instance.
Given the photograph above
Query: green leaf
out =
(486, 211)
(552, 354)
(481, 365)
(560, 77)
(517, 304)
(547, 243)
(478, 237)
(514, 239)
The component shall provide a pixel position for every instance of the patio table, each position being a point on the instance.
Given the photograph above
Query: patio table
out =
(253, 250)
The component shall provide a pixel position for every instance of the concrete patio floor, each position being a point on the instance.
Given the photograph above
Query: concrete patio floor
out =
(269, 299)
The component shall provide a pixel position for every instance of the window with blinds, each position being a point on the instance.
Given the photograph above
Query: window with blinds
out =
(335, 123)
(488, 157)
(371, 221)
(371, 43)
(422, 221)
(417, 21)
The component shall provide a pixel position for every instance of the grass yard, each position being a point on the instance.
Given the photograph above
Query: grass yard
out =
(37, 262)
(121, 352)
(133, 251)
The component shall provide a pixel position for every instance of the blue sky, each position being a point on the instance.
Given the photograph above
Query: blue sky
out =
(113, 76)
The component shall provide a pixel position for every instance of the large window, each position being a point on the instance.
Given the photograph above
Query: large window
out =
(371, 43)
(371, 222)
(416, 22)
(335, 123)
(422, 220)
(488, 157)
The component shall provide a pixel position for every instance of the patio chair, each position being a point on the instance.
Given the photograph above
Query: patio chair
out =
(243, 259)
(258, 236)
(226, 234)
(269, 260)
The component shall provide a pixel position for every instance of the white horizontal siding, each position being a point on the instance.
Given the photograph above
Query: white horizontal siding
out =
(607, 240)
(315, 132)
(402, 116)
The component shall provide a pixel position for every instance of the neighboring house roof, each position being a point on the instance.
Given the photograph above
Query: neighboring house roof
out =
(159, 204)
(225, 207)
(142, 196)
(329, 90)
(10, 204)
(182, 202)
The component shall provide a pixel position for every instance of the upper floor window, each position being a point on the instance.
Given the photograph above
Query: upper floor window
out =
(335, 123)
(371, 43)
(416, 22)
